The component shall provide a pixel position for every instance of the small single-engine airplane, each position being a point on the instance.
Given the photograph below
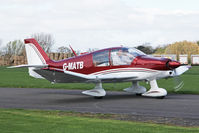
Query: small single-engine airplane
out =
(117, 64)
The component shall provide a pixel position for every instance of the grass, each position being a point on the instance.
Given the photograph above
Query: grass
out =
(19, 78)
(19, 121)
(35, 121)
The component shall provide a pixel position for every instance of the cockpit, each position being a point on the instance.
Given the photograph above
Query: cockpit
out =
(117, 56)
(124, 56)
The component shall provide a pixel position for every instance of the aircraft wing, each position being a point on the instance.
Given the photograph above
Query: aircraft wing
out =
(103, 78)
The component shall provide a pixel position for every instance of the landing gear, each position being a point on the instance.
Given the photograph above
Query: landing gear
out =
(98, 92)
(155, 91)
(136, 89)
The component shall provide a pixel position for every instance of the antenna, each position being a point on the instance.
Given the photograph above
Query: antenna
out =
(73, 50)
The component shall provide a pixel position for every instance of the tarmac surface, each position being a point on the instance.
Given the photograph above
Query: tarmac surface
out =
(178, 109)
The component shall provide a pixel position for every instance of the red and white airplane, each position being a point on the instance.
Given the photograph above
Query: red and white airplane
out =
(117, 64)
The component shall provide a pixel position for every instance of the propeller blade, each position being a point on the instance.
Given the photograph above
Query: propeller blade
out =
(180, 70)
(178, 83)
(176, 74)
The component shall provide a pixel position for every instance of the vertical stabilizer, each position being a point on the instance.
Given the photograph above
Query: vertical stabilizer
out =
(35, 56)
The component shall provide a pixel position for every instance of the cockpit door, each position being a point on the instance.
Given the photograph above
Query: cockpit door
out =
(120, 56)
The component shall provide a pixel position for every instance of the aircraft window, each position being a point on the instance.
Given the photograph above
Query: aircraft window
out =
(124, 56)
(121, 57)
(101, 58)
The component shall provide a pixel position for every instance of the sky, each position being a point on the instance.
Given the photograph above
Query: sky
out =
(99, 24)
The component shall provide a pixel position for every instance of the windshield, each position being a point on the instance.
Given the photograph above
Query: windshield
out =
(124, 56)
(135, 52)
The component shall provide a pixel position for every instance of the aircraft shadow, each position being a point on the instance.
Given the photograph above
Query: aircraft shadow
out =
(90, 99)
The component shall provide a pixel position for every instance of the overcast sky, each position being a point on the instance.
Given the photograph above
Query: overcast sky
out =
(101, 23)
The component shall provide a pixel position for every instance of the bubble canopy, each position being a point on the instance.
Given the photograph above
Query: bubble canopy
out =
(124, 55)
(133, 51)
(118, 56)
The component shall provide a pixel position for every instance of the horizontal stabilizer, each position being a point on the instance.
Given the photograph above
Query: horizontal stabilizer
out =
(26, 65)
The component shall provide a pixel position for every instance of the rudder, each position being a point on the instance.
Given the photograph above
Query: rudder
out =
(35, 53)
(35, 56)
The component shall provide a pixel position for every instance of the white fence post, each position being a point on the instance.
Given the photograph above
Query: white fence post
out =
(183, 59)
(195, 59)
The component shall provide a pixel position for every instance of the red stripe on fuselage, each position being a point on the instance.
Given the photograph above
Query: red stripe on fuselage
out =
(124, 70)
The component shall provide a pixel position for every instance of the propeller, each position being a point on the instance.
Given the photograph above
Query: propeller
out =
(177, 81)
(178, 69)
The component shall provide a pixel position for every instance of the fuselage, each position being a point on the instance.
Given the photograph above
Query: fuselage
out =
(102, 63)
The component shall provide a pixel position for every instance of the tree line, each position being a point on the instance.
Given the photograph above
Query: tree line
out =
(46, 41)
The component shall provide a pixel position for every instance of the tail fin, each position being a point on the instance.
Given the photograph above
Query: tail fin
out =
(35, 54)
(35, 57)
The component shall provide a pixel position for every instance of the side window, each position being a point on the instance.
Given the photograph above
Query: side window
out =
(101, 58)
(121, 57)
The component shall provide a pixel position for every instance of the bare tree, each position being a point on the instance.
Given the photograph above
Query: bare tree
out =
(15, 47)
(63, 49)
(146, 48)
(45, 40)
(92, 50)
(160, 49)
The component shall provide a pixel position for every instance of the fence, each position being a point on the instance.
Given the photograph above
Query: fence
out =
(170, 56)
(18, 60)
(183, 59)
(195, 59)
(14, 60)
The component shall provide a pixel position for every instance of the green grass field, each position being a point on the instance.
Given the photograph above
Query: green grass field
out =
(19, 121)
(32, 121)
(19, 78)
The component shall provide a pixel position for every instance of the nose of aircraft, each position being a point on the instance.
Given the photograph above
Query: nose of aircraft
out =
(157, 63)
(173, 64)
